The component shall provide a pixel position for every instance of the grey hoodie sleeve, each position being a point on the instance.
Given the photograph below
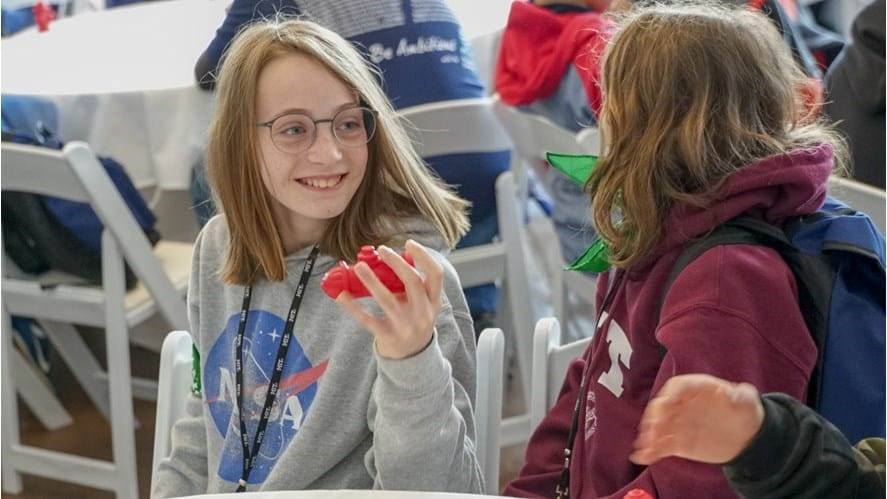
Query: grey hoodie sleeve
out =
(184, 472)
(421, 412)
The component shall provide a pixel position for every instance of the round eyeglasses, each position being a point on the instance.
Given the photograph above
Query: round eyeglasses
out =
(296, 132)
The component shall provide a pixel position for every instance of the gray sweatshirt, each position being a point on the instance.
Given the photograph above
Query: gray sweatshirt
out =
(344, 418)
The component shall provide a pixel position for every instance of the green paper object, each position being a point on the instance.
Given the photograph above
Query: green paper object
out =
(577, 167)
(595, 259)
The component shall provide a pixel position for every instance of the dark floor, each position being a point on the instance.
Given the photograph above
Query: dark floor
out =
(90, 436)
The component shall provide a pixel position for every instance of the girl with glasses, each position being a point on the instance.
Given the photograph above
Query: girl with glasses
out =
(293, 391)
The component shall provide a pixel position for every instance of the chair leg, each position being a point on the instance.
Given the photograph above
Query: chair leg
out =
(37, 396)
(12, 479)
(119, 371)
(80, 360)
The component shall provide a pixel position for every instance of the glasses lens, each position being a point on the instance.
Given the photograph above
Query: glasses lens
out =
(354, 127)
(292, 132)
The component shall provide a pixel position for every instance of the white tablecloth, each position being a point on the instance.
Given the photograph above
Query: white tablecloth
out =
(123, 80)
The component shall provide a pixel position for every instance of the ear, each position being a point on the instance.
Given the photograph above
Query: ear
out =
(810, 99)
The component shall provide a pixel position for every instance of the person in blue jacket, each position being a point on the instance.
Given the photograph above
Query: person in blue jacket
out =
(419, 49)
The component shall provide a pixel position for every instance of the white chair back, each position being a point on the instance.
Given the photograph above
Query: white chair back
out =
(74, 173)
(550, 363)
(861, 197)
(466, 126)
(488, 412)
(534, 135)
(176, 359)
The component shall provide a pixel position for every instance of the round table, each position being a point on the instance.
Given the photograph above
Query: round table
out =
(123, 81)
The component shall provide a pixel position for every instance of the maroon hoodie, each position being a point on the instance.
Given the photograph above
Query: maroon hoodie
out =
(539, 45)
(732, 313)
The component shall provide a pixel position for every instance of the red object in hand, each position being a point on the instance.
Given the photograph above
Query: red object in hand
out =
(343, 278)
(43, 13)
(637, 494)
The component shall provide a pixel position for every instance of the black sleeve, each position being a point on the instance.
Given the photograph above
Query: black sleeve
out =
(797, 453)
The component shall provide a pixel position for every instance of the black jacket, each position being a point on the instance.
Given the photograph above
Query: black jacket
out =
(797, 453)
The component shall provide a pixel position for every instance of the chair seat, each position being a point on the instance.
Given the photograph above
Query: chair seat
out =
(175, 258)
(26, 292)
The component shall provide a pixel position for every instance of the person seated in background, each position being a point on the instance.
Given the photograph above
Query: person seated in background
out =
(548, 65)
(855, 94)
(310, 162)
(703, 121)
(770, 445)
(419, 49)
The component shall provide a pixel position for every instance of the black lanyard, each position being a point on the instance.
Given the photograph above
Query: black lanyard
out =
(249, 458)
(562, 491)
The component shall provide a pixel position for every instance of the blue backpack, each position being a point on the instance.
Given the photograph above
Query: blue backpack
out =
(42, 232)
(837, 258)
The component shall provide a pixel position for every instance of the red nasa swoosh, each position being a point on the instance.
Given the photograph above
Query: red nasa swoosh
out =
(293, 384)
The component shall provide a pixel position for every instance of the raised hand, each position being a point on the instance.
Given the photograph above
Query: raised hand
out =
(407, 325)
(698, 417)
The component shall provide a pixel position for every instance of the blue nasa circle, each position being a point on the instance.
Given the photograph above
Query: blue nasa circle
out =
(296, 392)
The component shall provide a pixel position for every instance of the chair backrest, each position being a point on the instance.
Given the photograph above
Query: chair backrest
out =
(455, 126)
(590, 140)
(488, 409)
(863, 197)
(469, 125)
(459, 126)
(534, 135)
(74, 173)
(550, 363)
(486, 51)
(173, 388)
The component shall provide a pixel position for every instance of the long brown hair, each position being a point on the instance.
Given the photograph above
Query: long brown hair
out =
(396, 184)
(692, 92)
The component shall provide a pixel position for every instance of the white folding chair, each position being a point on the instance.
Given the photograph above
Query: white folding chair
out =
(862, 197)
(75, 173)
(488, 409)
(486, 51)
(550, 363)
(469, 125)
(533, 136)
(172, 392)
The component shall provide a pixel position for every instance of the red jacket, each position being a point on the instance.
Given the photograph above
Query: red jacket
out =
(732, 313)
(539, 45)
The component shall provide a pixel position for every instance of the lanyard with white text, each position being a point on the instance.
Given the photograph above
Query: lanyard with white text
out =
(249, 458)
(562, 491)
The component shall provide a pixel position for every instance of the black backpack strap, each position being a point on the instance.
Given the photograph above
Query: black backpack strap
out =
(814, 277)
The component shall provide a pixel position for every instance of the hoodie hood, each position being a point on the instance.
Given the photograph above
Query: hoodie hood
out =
(771, 189)
(539, 45)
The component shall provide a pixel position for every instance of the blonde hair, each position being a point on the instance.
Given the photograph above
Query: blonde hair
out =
(692, 93)
(396, 183)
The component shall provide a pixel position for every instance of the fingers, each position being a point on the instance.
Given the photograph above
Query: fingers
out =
(430, 267)
(383, 296)
(408, 275)
(356, 310)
